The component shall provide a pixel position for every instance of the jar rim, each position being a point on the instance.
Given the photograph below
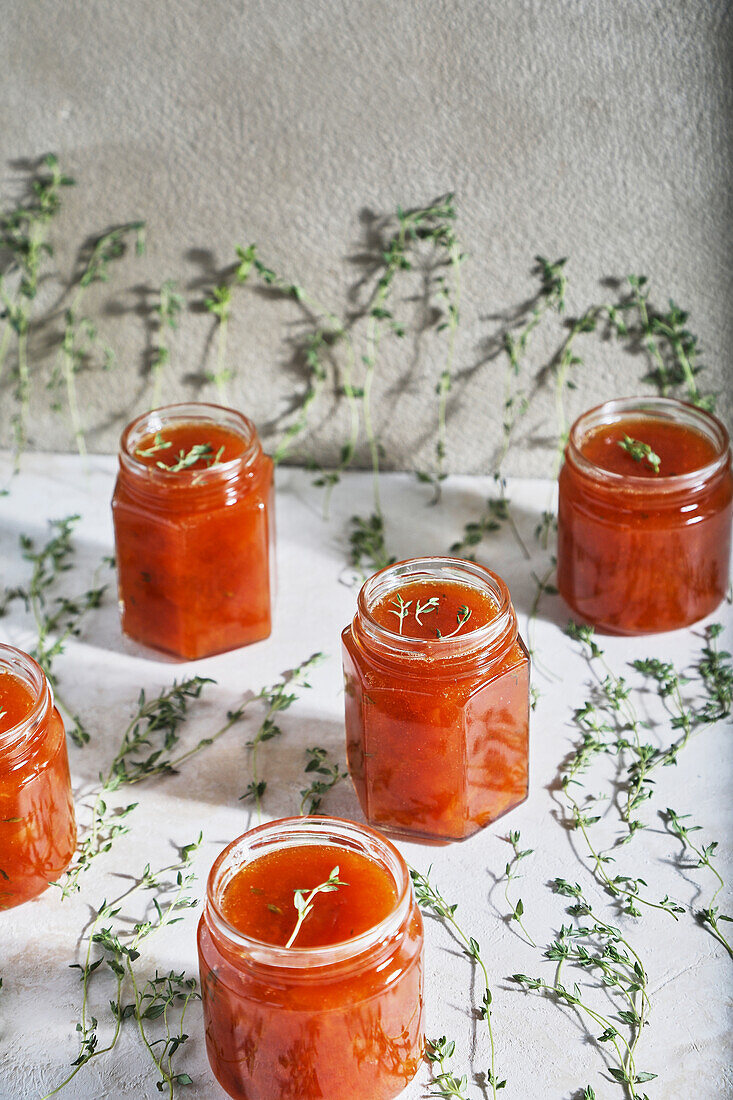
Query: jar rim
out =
(166, 416)
(296, 832)
(24, 667)
(659, 408)
(444, 568)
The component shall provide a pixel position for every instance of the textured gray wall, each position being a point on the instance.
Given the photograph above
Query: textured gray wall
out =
(599, 129)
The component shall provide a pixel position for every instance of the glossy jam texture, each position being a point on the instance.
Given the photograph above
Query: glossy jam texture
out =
(436, 748)
(177, 443)
(194, 553)
(423, 609)
(259, 899)
(680, 449)
(348, 1030)
(16, 700)
(633, 559)
(37, 826)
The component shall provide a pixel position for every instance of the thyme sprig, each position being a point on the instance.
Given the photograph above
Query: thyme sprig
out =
(218, 302)
(168, 309)
(80, 334)
(56, 618)
(601, 948)
(640, 452)
(445, 1083)
(511, 872)
(24, 237)
(153, 731)
(116, 944)
(304, 900)
(402, 608)
(325, 777)
(462, 616)
(277, 698)
(432, 902)
(700, 856)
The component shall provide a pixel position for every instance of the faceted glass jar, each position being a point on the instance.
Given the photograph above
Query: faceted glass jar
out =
(637, 555)
(195, 548)
(287, 1023)
(437, 731)
(37, 824)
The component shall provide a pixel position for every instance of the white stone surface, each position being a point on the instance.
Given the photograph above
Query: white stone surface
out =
(581, 128)
(542, 1051)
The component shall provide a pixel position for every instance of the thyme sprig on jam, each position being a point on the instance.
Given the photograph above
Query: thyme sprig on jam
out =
(277, 698)
(325, 777)
(56, 618)
(433, 903)
(462, 616)
(402, 608)
(640, 452)
(116, 942)
(304, 900)
(198, 452)
(600, 948)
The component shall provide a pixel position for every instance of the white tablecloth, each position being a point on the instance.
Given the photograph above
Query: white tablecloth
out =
(542, 1050)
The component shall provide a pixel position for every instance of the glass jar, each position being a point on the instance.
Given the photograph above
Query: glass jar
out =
(437, 730)
(342, 1021)
(639, 551)
(37, 825)
(195, 547)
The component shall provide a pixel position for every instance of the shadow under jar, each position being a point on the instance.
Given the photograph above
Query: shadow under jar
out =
(437, 699)
(37, 825)
(336, 1014)
(644, 515)
(193, 514)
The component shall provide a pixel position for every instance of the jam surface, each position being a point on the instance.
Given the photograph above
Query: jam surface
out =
(429, 610)
(189, 446)
(259, 899)
(680, 448)
(16, 700)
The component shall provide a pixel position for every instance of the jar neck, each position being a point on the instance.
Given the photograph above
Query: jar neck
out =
(486, 643)
(663, 409)
(193, 488)
(18, 741)
(306, 963)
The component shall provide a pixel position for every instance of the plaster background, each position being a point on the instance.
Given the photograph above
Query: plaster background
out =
(588, 128)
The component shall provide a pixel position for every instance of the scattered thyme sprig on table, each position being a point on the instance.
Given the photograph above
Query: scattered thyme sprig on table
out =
(116, 944)
(511, 872)
(56, 618)
(600, 948)
(325, 777)
(153, 731)
(445, 1083)
(277, 698)
(704, 856)
(304, 900)
(640, 452)
(433, 903)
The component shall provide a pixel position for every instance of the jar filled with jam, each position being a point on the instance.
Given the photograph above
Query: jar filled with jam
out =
(37, 825)
(193, 513)
(311, 961)
(644, 515)
(437, 699)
